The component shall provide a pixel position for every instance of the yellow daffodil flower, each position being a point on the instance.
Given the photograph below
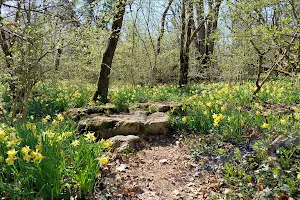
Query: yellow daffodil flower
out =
(2, 134)
(265, 126)
(75, 143)
(107, 144)
(11, 143)
(39, 147)
(90, 136)
(11, 153)
(10, 160)
(60, 117)
(25, 150)
(27, 157)
(103, 160)
(283, 122)
(67, 134)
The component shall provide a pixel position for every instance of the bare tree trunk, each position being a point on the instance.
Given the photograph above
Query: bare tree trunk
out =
(201, 37)
(213, 25)
(205, 39)
(162, 28)
(185, 42)
(183, 65)
(57, 60)
(108, 55)
(5, 46)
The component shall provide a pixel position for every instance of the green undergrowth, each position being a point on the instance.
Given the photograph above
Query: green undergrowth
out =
(253, 143)
(46, 159)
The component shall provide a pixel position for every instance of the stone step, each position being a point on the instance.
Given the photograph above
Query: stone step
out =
(137, 123)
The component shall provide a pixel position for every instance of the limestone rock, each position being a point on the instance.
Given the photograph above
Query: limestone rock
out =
(79, 113)
(137, 123)
(129, 142)
(157, 123)
(156, 107)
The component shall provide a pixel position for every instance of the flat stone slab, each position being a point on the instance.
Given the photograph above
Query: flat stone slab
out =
(138, 123)
(78, 113)
(156, 107)
(128, 142)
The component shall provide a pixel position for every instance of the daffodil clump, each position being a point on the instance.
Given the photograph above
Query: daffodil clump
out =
(52, 156)
(231, 114)
(58, 97)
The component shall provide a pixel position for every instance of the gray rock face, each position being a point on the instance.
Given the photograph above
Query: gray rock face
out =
(79, 113)
(137, 123)
(156, 107)
(129, 142)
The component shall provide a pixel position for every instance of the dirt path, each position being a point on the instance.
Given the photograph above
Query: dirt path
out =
(161, 171)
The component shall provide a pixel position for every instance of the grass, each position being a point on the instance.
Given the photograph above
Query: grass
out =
(252, 143)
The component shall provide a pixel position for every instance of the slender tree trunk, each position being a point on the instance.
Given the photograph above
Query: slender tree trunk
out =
(5, 46)
(57, 60)
(183, 65)
(108, 55)
(201, 38)
(162, 28)
(213, 25)
(206, 42)
(185, 42)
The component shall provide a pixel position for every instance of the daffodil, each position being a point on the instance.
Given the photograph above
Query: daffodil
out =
(283, 122)
(298, 176)
(90, 136)
(25, 150)
(209, 104)
(103, 160)
(38, 157)
(67, 134)
(223, 108)
(39, 147)
(10, 160)
(50, 134)
(265, 126)
(44, 120)
(184, 119)
(217, 119)
(75, 143)
(28, 126)
(107, 144)
(54, 122)
(60, 117)
(11, 143)
(27, 157)
(11, 153)
(59, 138)
(33, 127)
(2, 134)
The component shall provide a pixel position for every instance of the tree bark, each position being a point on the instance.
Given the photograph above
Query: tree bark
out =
(183, 65)
(108, 55)
(201, 37)
(57, 60)
(213, 25)
(162, 28)
(185, 42)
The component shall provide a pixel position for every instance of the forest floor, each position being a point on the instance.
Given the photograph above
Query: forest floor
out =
(162, 170)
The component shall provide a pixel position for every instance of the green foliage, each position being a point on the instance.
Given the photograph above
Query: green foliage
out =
(47, 160)
(52, 98)
(250, 142)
